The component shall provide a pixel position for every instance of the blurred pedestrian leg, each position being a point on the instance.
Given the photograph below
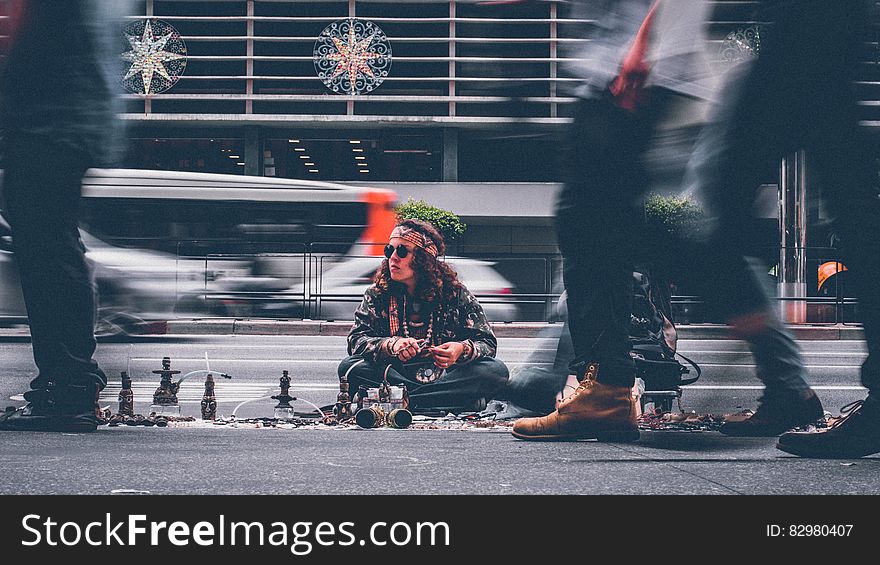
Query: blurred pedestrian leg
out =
(58, 120)
(800, 95)
(597, 220)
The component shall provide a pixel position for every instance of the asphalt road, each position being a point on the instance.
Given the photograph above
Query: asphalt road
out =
(205, 459)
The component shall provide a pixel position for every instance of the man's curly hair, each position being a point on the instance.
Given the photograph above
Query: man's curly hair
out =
(434, 278)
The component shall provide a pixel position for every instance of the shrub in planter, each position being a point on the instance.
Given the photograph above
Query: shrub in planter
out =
(672, 216)
(447, 223)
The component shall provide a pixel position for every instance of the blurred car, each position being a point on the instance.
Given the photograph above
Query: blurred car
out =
(135, 286)
(339, 285)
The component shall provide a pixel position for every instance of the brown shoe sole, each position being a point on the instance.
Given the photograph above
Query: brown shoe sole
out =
(611, 436)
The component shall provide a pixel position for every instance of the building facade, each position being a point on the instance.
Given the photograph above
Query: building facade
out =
(464, 104)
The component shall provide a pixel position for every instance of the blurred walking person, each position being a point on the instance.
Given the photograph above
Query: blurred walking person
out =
(57, 120)
(644, 64)
(799, 95)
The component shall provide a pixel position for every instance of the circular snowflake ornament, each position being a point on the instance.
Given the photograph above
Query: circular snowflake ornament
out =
(157, 57)
(741, 45)
(352, 56)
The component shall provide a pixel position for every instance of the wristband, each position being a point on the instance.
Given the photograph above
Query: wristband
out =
(389, 345)
(467, 351)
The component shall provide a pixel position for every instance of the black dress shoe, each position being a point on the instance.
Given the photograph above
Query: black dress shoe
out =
(778, 412)
(855, 435)
(30, 417)
(58, 409)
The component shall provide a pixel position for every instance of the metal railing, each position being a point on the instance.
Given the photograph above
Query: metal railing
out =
(313, 282)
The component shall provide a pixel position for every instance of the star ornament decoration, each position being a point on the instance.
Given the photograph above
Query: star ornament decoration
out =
(741, 45)
(157, 57)
(352, 56)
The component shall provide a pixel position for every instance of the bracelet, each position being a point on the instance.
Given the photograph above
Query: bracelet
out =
(389, 345)
(467, 351)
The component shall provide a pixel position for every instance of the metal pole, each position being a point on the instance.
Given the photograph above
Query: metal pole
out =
(352, 12)
(553, 55)
(148, 102)
(249, 82)
(793, 238)
(452, 88)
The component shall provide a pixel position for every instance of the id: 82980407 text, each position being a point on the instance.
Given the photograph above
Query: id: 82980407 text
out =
(809, 530)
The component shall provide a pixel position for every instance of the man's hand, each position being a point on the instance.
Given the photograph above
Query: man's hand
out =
(447, 354)
(406, 348)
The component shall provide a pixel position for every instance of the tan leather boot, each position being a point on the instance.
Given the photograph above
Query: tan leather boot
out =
(593, 411)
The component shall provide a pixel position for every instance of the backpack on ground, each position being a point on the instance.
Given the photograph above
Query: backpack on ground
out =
(654, 337)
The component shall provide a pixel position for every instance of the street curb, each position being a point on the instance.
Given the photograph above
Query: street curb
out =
(229, 326)
(501, 329)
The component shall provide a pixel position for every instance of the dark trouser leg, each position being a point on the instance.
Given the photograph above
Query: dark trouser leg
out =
(535, 387)
(762, 122)
(739, 289)
(360, 371)
(849, 189)
(42, 188)
(596, 222)
(462, 386)
(820, 74)
(850, 193)
(856, 211)
(458, 389)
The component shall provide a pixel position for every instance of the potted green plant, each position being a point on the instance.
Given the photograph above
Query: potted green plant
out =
(671, 220)
(447, 223)
(669, 217)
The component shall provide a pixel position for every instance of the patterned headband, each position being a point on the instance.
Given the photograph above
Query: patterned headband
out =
(416, 238)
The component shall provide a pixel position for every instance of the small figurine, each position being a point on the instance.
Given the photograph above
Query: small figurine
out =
(405, 403)
(343, 401)
(126, 396)
(283, 410)
(209, 400)
(359, 397)
(384, 391)
(166, 394)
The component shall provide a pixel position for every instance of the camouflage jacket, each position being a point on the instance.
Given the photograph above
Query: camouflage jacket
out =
(462, 320)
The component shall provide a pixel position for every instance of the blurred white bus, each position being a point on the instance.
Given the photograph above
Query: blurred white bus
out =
(167, 244)
(201, 213)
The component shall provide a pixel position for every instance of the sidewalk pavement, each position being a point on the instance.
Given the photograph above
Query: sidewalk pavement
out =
(235, 326)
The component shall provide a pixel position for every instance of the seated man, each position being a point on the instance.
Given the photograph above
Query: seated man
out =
(420, 327)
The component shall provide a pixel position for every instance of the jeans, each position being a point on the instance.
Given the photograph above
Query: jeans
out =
(42, 188)
(459, 390)
(601, 232)
(798, 95)
(597, 223)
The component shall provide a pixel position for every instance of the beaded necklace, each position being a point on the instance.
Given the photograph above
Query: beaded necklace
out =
(430, 332)
(425, 373)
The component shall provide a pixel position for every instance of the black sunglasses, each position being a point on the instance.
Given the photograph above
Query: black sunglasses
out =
(401, 249)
